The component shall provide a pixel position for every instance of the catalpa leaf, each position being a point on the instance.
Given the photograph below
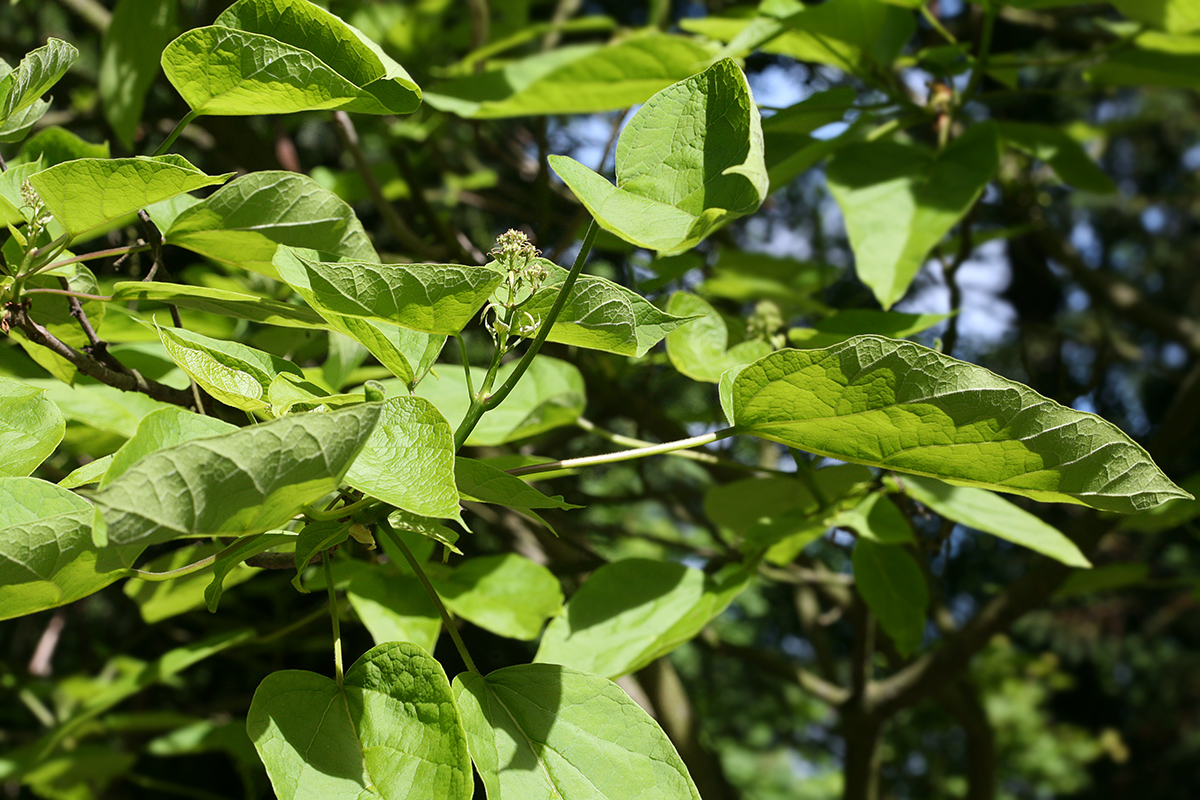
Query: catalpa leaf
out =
(892, 584)
(701, 349)
(283, 56)
(248, 481)
(542, 730)
(245, 222)
(129, 62)
(394, 608)
(88, 193)
(161, 429)
(390, 731)
(434, 298)
(599, 314)
(1151, 59)
(899, 200)
(17, 127)
(576, 79)
(220, 301)
(1065, 155)
(507, 594)
(46, 553)
(231, 372)
(31, 426)
(38, 71)
(484, 483)
(690, 160)
(408, 461)
(55, 145)
(857, 321)
(904, 407)
(633, 611)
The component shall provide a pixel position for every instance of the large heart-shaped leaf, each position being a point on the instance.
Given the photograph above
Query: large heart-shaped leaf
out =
(632, 611)
(161, 429)
(46, 553)
(408, 461)
(701, 350)
(690, 160)
(892, 584)
(542, 730)
(248, 481)
(31, 426)
(243, 223)
(282, 56)
(507, 594)
(88, 193)
(434, 298)
(577, 79)
(904, 407)
(390, 731)
(899, 200)
(40, 69)
(394, 608)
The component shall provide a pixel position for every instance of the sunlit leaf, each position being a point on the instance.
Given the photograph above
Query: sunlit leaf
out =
(40, 69)
(231, 372)
(160, 429)
(701, 349)
(678, 183)
(31, 426)
(891, 583)
(1152, 59)
(507, 594)
(394, 608)
(901, 406)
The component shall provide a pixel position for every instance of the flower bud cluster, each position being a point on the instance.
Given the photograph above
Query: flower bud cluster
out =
(524, 274)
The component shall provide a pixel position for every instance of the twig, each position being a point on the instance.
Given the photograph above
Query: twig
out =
(334, 613)
(625, 455)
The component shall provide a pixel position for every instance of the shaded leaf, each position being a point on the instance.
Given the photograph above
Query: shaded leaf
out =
(1172, 16)
(508, 594)
(541, 730)
(220, 301)
(133, 44)
(484, 483)
(159, 600)
(677, 183)
(1103, 579)
(248, 481)
(877, 518)
(893, 587)
(429, 528)
(160, 429)
(55, 145)
(1154, 59)
(633, 611)
(854, 322)
(901, 406)
(390, 731)
(701, 349)
(1065, 155)
(899, 200)
(576, 79)
(31, 426)
(395, 608)
(232, 557)
(986, 512)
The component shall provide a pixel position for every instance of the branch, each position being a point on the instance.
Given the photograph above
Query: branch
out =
(828, 693)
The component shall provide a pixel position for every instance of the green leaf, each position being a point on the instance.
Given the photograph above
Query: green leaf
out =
(854, 322)
(748, 277)
(901, 406)
(986, 512)
(88, 193)
(508, 594)
(38, 71)
(133, 43)
(599, 314)
(46, 553)
(232, 558)
(248, 481)
(55, 145)
(549, 395)
(701, 349)
(395, 608)
(231, 372)
(89, 473)
(31, 426)
(315, 537)
(53, 312)
(408, 461)
(435, 298)
(1172, 16)
(899, 200)
(1154, 59)
(244, 222)
(789, 148)
(877, 518)
(161, 429)
(576, 79)
(483, 483)
(891, 583)
(1065, 155)
(541, 730)
(676, 184)
(159, 600)
(1169, 515)
(17, 127)
(429, 528)
(284, 56)
(633, 611)
(100, 407)
(391, 731)
(220, 301)
(1103, 579)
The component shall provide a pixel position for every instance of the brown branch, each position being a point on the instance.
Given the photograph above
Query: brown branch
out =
(828, 693)
(962, 702)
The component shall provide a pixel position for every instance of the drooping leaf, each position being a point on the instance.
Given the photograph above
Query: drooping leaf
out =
(1065, 155)
(542, 730)
(408, 461)
(677, 183)
(282, 56)
(220, 301)
(484, 483)
(989, 513)
(435, 298)
(133, 44)
(17, 127)
(549, 395)
(31, 426)
(315, 537)
(88, 193)
(158, 430)
(431, 529)
(891, 583)
(633, 611)
(245, 222)
(38, 71)
(877, 518)
(395, 608)
(901, 406)
(899, 201)
(858, 321)
(600, 314)
(576, 79)
(248, 481)
(701, 349)
(46, 553)
(391, 731)
(507, 594)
